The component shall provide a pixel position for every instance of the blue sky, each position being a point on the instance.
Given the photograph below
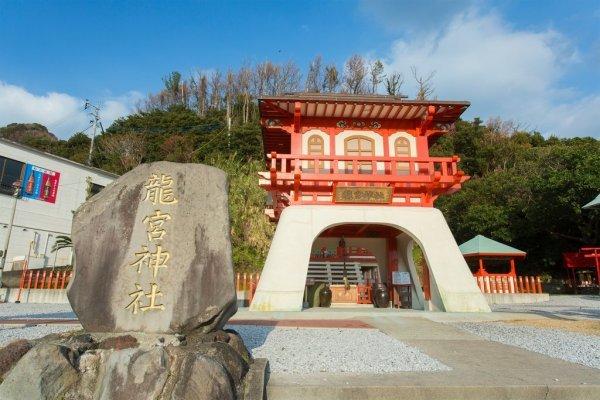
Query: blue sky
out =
(535, 62)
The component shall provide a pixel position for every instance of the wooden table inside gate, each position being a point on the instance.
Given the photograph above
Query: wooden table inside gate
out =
(339, 294)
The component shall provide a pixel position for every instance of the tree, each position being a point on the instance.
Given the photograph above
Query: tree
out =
(424, 84)
(62, 242)
(215, 90)
(199, 86)
(393, 84)
(244, 77)
(524, 190)
(178, 148)
(251, 231)
(126, 150)
(376, 75)
(230, 93)
(355, 71)
(331, 81)
(314, 78)
(173, 87)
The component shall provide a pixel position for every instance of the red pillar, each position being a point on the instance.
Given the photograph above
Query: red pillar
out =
(422, 146)
(481, 270)
(513, 270)
(597, 259)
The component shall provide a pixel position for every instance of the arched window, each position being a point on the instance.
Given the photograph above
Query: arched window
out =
(360, 146)
(402, 149)
(316, 147)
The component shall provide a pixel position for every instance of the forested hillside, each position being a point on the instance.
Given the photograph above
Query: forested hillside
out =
(525, 190)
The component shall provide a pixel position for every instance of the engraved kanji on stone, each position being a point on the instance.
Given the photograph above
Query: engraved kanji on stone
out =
(159, 190)
(138, 295)
(153, 260)
(154, 225)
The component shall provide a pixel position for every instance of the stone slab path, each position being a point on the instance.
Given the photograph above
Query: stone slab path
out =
(480, 369)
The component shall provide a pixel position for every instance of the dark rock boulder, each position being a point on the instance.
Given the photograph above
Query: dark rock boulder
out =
(149, 367)
(46, 372)
(11, 353)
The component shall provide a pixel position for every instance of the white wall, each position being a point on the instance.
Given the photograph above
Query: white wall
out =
(38, 221)
(281, 286)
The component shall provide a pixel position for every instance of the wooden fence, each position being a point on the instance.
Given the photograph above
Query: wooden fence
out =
(43, 279)
(509, 284)
(247, 282)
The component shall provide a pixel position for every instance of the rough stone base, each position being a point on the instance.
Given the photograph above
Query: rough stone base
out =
(133, 366)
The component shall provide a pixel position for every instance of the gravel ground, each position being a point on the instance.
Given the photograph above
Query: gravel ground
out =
(10, 333)
(35, 310)
(569, 346)
(567, 306)
(313, 350)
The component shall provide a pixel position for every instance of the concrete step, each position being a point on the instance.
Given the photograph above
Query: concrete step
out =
(278, 390)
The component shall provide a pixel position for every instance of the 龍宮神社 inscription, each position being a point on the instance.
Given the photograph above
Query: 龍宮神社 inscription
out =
(154, 250)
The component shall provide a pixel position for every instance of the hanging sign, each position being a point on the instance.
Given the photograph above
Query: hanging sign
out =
(357, 194)
(401, 278)
(40, 184)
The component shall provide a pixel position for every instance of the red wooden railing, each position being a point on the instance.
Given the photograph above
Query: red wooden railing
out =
(43, 279)
(317, 175)
(504, 283)
(247, 282)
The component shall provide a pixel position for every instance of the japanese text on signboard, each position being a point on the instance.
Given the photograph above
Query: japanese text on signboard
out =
(40, 184)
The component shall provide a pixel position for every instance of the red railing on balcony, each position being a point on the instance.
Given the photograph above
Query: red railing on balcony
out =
(310, 179)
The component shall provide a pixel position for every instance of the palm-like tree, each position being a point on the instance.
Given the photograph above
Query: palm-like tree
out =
(62, 242)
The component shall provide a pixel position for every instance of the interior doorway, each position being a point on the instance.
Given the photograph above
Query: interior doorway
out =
(355, 259)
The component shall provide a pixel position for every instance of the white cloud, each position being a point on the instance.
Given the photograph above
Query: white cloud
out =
(503, 71)
(63, 114)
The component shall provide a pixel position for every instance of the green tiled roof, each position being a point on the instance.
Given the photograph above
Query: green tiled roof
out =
(594, 203)
(480, 245)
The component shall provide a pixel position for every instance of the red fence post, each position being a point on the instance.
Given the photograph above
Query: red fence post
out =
(521, 288)
(37, 277)
(43, 282)
(30, 273)
(538, 282)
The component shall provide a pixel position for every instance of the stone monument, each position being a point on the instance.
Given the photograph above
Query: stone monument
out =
(153, 288)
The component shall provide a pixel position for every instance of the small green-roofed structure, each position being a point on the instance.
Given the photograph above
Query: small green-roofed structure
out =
(594, 203)
(481, 247)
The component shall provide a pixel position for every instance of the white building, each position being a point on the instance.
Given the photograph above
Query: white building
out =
(52, 189)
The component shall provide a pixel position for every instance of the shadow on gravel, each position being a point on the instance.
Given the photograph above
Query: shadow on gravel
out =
(49, 315)
(253, 335)
(560, 313)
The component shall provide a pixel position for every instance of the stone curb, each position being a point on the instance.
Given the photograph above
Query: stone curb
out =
(530, 392)
(256, 380)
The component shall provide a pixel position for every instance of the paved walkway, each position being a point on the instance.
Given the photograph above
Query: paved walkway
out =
(480, 370)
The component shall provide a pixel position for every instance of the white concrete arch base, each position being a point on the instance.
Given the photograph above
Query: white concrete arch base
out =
(281, 286)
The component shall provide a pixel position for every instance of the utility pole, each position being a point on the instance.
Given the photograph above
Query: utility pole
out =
(95, 111)
(17, 192)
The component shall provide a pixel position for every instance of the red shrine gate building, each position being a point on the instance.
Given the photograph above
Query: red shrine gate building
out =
(355, 169)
